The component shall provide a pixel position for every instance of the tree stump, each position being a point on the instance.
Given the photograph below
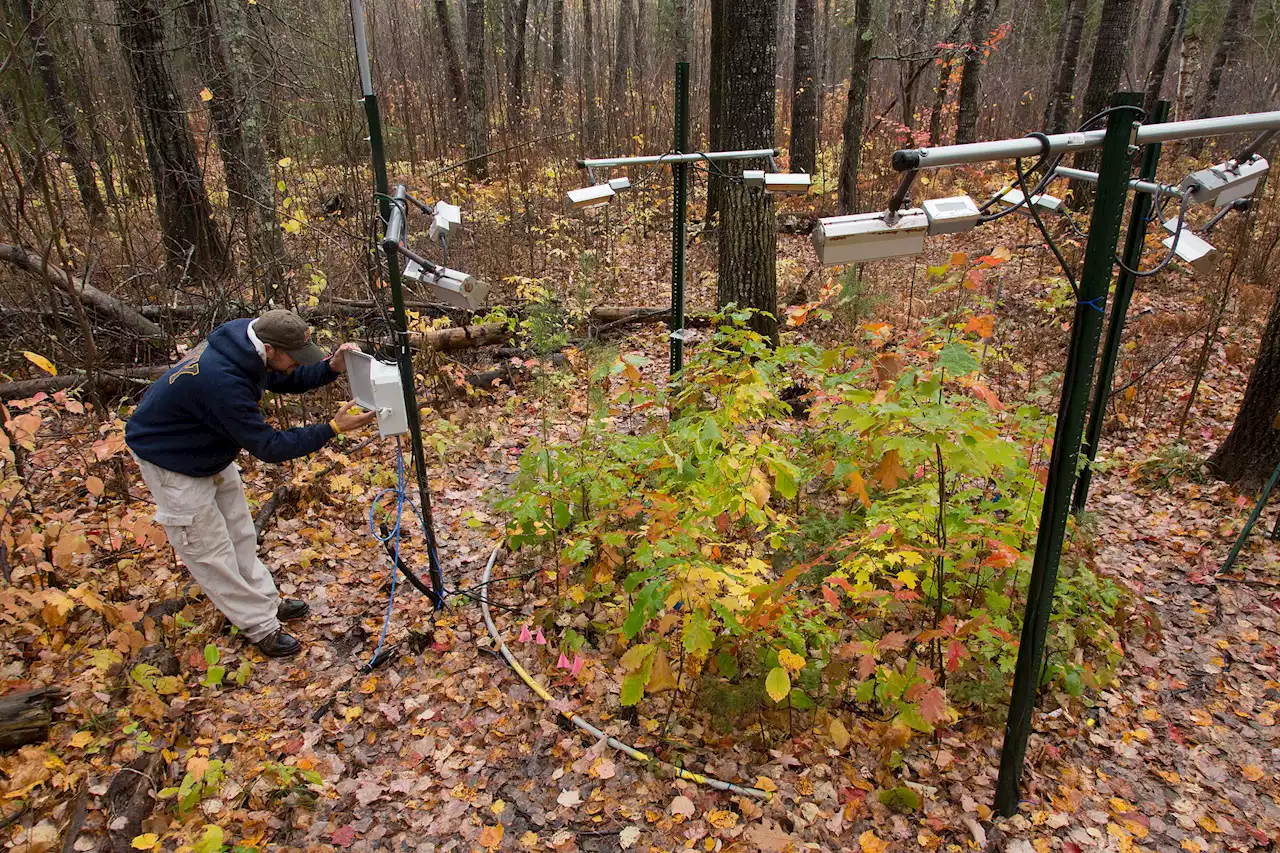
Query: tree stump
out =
(25, 716)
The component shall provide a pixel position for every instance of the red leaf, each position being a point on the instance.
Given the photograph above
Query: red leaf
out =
(955, 653)
(829, 595)
(343, 837)
(866, 667)
(893, 641)
(933, 705)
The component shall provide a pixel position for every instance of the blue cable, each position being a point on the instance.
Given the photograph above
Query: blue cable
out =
(394, 533)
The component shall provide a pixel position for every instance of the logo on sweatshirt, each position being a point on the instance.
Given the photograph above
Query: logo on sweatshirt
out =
(189, 366)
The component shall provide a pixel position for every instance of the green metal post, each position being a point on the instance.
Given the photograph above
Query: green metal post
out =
(1134, 238)
(404, 357)
(1253, 519)
(680, 172)
(1095, 279)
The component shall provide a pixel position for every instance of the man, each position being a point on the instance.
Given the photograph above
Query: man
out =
(188, 429)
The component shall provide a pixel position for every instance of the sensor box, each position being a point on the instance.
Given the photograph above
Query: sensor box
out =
(1224, 183)
(753, 179)
(1043, 201)
(951, 215)
(620, 184)
(375, 385)
(785, 183)
(446, 221)
(869, 237)
(449, 286)
(1191, 249)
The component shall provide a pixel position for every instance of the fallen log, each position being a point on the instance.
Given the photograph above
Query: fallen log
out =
(24, 388)
(105, 303)
(129, 801)
(509, 373)
(462, 337)
(25, 717)
(620, 315)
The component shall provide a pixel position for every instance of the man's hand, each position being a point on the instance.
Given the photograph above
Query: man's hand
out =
(338, 361)
(345, 421)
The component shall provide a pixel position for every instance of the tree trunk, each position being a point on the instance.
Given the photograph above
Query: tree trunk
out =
(1235, 27)
(519, 29)
(1057, 111)
(856, 108)
(749, 234)
(804, 103)
(939, 103)
(557, 51)
(715, 95)
(589, 73)
(1252, 449)
(624, 54)
(25, 717)
(970, 72)
(1109, 52)
(477, 111)
(1188, 66)
(457, 86)
(683, 31)
(33, 17)
(1173, 19)
(192, 241)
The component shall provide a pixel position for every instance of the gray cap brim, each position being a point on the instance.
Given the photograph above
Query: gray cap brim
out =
(308, 355)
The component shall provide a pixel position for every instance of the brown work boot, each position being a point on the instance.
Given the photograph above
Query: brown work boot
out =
(278, 644)
(292, 608)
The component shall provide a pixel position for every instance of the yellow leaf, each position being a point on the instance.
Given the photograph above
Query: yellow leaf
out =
(792, 661)
(1208, 824)
(145, 841)
(352, 712)
(1191, 845)
(95, 486)
(871, 843)
(778, 684)
(759, 489)
(491, 836)
(369, 685)
(764, 783)
(167, 685)
(908, 578)
(1252, 772)
(41, 362)
(206, 95)
(839, 734)
(661, 678)
(284, 162)
(80, 740)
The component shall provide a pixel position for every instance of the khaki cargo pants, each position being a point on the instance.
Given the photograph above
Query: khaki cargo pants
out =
(208, 524)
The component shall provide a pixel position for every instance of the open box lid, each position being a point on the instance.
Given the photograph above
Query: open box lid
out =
(363, 371)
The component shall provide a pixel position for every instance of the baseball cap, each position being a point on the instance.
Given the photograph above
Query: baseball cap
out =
(288, 332)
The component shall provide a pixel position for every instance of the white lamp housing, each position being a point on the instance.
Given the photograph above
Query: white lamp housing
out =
(592, 196)
(869, 237)
(1043, 201)
(951, 215)
(620, 184)
(1224, 183)
(375, 385)
(449, 286)
(447, 220)
(753, 179)
(787, 183)
(1191, 249)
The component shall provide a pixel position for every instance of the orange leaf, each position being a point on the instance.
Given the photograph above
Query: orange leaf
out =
(958, 259)
(491, 836)
(858, 486)
(890, 471)
(984, 325)
(95, 486)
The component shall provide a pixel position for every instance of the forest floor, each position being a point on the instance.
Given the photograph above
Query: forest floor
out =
(444, 748)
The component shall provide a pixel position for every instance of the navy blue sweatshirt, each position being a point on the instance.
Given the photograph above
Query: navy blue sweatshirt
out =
(197, 417)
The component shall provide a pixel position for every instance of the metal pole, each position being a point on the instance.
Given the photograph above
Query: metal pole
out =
(1139, 185)
(679, 172)
(1095, 278)
(404, 358)
(1253, 518)
(1133, 241)
(1008, 149)
(688, 157)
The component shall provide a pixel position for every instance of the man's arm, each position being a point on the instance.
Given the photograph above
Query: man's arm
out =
(244, 423)
(301, 380)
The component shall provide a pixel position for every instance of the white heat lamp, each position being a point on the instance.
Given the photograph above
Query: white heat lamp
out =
(592, 196)
(1043, 201)
(375, 385)
(447, 219)
(951, 215)
(753, 179)
(1191, 249)
(869, 236)
(620, 184)
(787, 183)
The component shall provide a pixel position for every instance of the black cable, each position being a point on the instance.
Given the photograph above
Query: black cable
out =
(1173, 246)
(1035, 215)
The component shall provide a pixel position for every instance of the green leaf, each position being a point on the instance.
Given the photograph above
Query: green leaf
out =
(211, 654)
(727, 664)
(636, 656)
(899, 799)
(777, 684)
(698, 636)
(800, 700)
(784, 479)
(560, 515)
(957, 360)
(210, 840)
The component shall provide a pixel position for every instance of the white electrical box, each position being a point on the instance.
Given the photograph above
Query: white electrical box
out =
(1191, 248)
(446, 221)
(1224, 183)
(951, 215)
(869, 237)
(785, 183)
(753, 179)
(375, 385)
(620, 184)
(1043, 201)
(449, 286)
(592, 196)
